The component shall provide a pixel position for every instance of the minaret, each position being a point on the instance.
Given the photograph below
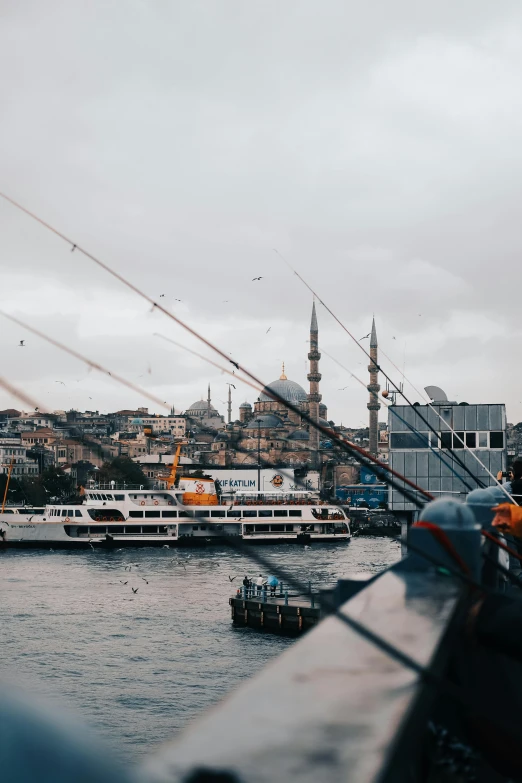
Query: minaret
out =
(373, 387)
(314, 398)
(208, 402)
(229, 404)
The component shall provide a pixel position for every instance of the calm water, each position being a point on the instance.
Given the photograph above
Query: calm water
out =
(138, 667)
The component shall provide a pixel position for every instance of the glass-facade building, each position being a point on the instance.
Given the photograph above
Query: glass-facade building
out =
(424, 457)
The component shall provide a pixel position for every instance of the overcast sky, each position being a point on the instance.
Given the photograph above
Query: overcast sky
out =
(376, 145)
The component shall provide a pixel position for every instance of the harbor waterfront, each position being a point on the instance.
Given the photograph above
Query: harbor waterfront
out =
(138, 667)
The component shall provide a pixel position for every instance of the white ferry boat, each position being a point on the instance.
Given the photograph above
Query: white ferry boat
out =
(188, 515)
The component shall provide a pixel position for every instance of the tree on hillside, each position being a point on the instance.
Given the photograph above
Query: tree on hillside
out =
(122, 470)
(56, 483)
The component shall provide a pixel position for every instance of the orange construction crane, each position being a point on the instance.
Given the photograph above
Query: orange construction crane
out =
(171, 478)
(10, 466)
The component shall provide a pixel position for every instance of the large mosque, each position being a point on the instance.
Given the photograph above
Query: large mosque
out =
(268, 429)
(280, 435)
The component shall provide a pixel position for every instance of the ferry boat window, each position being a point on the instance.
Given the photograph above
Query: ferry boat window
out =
(262, 528)
(201, 513)
(152, 513)
(186, 513)
(169, 514)
(162, 530)
(195, 527)
(136, 514)
(119, 497)
(108, 497)
(280, 513)
(82, 530)
(289, 528)
(77, 513)
(249, 513)
(234, 512)
(150, 529)
(277, 528)
(64, 513)
(471, 440)
(203, 527)
(295, 513)
(116, 530)
(70, 513)
(217, 513)
(265, 512)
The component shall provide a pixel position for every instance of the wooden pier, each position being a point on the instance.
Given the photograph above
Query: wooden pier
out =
(292, 615)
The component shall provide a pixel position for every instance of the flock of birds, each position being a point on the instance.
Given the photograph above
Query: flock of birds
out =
(128, 568)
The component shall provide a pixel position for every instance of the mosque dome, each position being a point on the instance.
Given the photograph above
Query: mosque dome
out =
(299, 435)
(245, 405)
(200, 405)
(269, 420)
(325, 423)
(137, 421)
(288, 390)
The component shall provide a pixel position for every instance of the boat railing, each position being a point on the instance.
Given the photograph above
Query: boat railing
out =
(115, 487)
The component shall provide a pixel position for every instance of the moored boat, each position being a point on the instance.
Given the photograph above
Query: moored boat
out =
(189, 515)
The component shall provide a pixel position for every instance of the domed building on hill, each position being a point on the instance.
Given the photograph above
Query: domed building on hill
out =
(203, 413)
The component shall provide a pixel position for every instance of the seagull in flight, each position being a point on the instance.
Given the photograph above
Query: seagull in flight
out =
(365, 336)
(63, 384)
(162, 295)
(231, 384)
(177, 300)
(142, 577)
(125, 583)
(268, 330)
(21, 344)
(256, 278)
(231, 578)
(135, 589)
(344, 387)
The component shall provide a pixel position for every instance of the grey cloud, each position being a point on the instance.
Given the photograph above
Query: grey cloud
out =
(376, 146)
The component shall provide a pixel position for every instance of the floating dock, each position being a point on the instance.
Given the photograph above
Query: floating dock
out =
(291, 615)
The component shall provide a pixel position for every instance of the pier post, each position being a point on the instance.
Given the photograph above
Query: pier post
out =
(309, 588)
(263, 595)
(286, 597)
(280, 589)
(312, 599)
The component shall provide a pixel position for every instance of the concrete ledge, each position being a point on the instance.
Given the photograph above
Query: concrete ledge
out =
(333, 707)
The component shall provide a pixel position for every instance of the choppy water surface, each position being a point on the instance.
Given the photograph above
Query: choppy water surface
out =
(138, 667)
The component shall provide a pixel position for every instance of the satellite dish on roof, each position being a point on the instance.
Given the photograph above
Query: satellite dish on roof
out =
(435, 393)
